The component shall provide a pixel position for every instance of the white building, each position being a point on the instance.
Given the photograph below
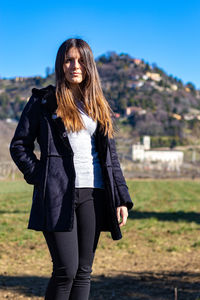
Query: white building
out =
(170, 159)
(154, 76)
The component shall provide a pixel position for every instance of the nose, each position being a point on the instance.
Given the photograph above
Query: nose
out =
(76, 64)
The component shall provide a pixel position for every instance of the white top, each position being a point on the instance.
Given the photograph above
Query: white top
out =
(86, 161)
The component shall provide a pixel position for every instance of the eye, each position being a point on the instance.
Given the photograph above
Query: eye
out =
(67, 60)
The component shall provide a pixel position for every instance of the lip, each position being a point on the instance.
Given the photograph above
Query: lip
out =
(75, 73)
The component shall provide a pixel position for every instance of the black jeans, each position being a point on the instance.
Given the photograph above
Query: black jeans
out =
(72, 252)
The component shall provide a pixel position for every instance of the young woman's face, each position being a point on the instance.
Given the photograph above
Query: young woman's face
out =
(73, 66)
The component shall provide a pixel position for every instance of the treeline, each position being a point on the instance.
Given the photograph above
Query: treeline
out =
(10, 108)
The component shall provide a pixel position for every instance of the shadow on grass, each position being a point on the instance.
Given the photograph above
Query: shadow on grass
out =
(130, 285)
(166, 216)
(16, 211)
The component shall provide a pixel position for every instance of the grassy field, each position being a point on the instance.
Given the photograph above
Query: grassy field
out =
(158, 256)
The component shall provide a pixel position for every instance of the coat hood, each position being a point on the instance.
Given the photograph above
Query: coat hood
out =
(47, 96)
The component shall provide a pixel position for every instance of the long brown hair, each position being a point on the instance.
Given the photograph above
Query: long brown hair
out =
(96, 106)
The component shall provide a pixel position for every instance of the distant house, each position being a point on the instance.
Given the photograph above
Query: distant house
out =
(134, 109)
(189, 117)
(174, 87)
(187, 89)
(154, 76)
(170, 159)
(193, 114)
(9, 120)
(177, 116)
(135, 84)
(145, 77)
(19, 79)
(137, 61)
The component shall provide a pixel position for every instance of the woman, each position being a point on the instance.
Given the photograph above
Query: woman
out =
(79, 188)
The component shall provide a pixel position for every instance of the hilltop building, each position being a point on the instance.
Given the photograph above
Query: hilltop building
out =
(153, 76)
(134, 109)
(171, 160)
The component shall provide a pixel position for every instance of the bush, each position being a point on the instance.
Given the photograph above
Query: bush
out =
(167, 141)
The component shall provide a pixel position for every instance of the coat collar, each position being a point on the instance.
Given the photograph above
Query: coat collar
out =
(47, 96)
(49, 102)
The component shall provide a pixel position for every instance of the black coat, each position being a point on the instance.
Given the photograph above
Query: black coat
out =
(53, 175)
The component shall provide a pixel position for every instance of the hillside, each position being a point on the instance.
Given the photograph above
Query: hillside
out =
(6, 134)
(143, 96)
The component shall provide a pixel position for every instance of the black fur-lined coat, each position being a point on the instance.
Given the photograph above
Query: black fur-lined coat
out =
(53, 175)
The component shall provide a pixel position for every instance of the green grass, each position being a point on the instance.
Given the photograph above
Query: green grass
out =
(15, 204)
(166, 214)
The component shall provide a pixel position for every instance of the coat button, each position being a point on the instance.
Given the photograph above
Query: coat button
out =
(54, 116)
(44, 101)
(64, 134)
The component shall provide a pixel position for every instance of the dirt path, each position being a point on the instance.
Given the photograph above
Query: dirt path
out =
(140, 275)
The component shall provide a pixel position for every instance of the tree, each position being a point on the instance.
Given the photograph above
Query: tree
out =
(176, 100)
(4, 99)
(122, 104)
(196, 129)
(147, 67)
(173, 144)
(131, 102)
(47, 71)
(191, 86)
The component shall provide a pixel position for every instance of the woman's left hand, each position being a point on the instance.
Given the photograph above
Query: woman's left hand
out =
(122, 212)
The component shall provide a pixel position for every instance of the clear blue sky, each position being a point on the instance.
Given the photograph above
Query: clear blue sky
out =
(164, 32)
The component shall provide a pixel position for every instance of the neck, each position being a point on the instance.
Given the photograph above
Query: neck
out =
(76, 91)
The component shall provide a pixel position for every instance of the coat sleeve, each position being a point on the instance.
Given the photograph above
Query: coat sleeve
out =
(22, 144)
(121, 189)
